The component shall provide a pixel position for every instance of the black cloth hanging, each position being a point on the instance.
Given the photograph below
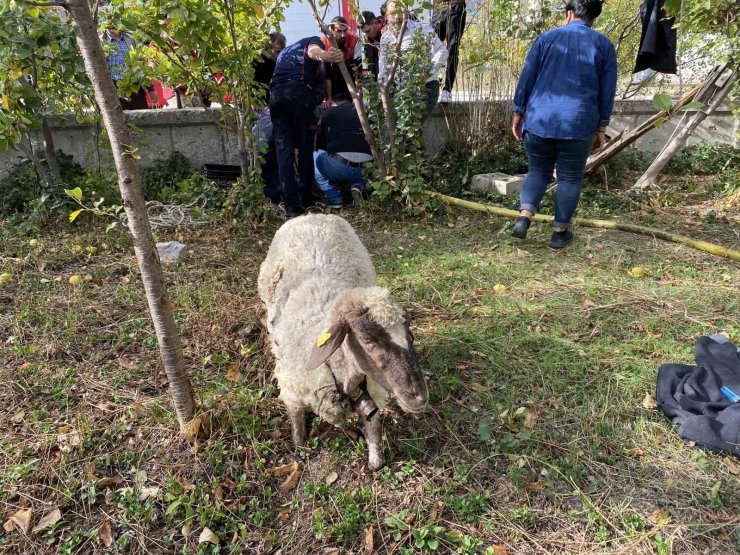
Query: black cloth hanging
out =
(658, 40)
(701, 400)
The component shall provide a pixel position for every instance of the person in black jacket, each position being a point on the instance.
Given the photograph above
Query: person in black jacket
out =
(264, 67)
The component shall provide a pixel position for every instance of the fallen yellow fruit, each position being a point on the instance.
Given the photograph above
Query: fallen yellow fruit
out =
(75, 279)
(33, 242)
(499, 289)
(91, 249)
(638, 272)
(5, 279)
(77, 248)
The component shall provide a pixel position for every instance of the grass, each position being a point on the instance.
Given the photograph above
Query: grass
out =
(538, 439)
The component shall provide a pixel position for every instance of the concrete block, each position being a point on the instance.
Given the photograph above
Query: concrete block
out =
(497, 183)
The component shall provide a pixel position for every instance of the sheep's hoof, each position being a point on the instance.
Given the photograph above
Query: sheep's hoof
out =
(375, 462)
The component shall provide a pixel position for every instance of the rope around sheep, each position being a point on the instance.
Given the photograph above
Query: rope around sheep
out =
(704, 246)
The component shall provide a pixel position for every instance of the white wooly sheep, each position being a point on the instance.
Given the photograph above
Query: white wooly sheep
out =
(340, 342)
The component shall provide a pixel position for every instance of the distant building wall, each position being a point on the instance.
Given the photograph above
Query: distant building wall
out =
(195, 134)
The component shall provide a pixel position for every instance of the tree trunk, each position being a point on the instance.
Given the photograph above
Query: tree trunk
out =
(129, 181)
(51, 153)
(32, 151)
(680, 139)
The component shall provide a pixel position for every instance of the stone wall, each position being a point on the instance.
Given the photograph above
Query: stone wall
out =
(194, 132)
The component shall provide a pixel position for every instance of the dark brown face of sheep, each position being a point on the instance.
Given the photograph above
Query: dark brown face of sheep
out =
(386, 353)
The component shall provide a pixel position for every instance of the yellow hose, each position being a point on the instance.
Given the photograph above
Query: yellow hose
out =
(704, 246)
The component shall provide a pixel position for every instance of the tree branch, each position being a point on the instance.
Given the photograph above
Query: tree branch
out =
(390, 120)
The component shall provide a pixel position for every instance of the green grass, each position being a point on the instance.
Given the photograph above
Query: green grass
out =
(536, 440)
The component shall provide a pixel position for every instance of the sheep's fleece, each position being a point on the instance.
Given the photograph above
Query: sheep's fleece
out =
(312, 259)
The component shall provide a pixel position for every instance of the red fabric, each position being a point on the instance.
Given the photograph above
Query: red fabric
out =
(349, 45)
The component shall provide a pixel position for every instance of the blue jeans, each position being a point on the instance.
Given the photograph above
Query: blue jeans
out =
(569, 156)
(291, 110)
(330, 174)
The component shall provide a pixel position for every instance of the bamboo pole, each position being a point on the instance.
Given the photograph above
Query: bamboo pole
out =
(704, 246)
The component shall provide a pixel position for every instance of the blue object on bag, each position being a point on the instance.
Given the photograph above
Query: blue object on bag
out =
(731, 395)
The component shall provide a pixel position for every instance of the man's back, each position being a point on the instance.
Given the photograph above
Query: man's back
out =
(342, 131)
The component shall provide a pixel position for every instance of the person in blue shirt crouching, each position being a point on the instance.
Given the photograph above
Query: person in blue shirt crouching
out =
(562, 105)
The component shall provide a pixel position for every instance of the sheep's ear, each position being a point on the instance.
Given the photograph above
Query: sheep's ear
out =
(326, 344)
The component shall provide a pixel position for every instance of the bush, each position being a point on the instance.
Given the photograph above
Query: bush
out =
(705, 159)
(22, 190)
(162, 179)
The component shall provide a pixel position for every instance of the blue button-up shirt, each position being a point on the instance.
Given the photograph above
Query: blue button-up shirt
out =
(566, 89)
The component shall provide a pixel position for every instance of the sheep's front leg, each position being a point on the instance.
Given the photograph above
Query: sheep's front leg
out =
(297, 415)
(373, 436)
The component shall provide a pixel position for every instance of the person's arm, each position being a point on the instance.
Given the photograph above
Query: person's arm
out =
(332, 55)
(387, 42)
(607, 90)
(328, 98)
(524, 87)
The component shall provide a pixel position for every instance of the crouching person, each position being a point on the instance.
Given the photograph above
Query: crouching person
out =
(345, 151)
(262, 132)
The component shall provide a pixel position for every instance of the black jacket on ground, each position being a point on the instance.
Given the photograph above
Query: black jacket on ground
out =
(690, 396)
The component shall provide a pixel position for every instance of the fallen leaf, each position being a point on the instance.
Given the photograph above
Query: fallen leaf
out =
(68, 441)
(331, 478)
(283, 517)
(368, 545)
(649, 401)
(191, 430)
(732, 466)
(659, 517)
(106, 534)
(499, 550)
(112, 481)
(530, 417)
(126, 362)
(635, 452)
(20, 519)
(185, 485)
(533, 486)
(292, 480)
(475, 386)
(331, 551)
(208, 536)
(233, 374)
(18, 417)
(146, 493)
(48, 520)
(283, 470)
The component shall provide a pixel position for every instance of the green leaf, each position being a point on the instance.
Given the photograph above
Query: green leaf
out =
(433, 544)
(662, 101)
(75, 193)
(73, 215)
(485, 429)
(692, 105)
(33, 11)
(659, 123)
(110, 226)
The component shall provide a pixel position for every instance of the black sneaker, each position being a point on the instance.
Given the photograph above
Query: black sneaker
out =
(291, 213)
(561, 239)
(521, 226)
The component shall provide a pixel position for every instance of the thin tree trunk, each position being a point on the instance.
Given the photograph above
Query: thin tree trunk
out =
(51, 153)
(356, 97)
(32, 151)
(680, 139)
(129, 181)
(704, 246)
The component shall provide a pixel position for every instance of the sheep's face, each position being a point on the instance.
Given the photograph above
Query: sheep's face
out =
(377, 332)
(390, 358)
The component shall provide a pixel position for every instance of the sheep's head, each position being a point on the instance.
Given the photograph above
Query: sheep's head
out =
(377, 333)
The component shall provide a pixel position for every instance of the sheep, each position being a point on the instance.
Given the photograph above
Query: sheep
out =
(340, 343)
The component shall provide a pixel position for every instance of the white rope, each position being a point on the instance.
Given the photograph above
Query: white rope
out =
(170, 215)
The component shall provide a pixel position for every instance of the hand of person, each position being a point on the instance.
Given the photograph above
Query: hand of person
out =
(333, 55)
(327, 103)
(517, 122)
(599, 141)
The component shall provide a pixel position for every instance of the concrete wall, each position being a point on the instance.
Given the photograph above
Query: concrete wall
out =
(194, 132)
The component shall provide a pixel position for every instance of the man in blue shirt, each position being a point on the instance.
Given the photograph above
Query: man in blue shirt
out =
(562, 105)
(296, 89)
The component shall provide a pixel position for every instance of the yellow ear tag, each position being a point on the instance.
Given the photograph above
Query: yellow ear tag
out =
(323, 338)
